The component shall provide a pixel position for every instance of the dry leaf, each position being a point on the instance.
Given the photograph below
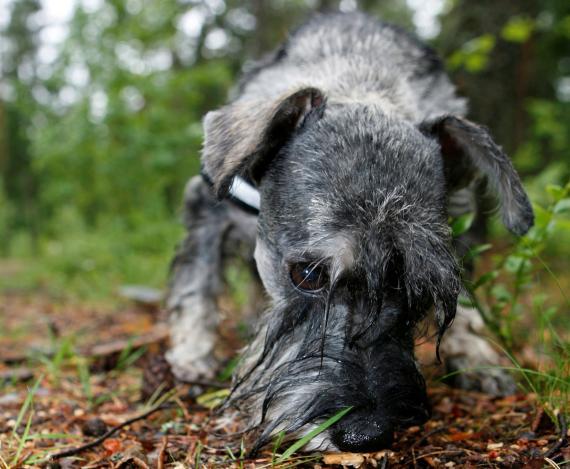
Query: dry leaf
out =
(344, 459)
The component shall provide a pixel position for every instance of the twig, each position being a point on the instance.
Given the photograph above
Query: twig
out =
(563, 440)
(162, 452)
(112, 431)
(205, 383)
(453, 452)
(427, 435)
(22, 459)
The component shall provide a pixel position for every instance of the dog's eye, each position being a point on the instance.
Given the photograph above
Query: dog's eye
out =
(309, 277)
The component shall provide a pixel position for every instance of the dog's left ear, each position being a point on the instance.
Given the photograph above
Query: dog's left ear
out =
(468, 150)
(242, 137)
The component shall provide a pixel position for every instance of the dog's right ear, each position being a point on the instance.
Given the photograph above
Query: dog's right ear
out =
(241, 138)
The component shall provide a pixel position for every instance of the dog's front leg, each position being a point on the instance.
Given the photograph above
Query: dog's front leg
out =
(471, 357)
(197, 279)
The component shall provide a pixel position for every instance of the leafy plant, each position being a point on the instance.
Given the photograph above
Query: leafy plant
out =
(504, 285)
(508, 292)
(63, 351)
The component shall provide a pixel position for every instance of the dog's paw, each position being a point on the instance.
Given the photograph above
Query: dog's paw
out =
(482, 377)
(192, 369)
(471, 359)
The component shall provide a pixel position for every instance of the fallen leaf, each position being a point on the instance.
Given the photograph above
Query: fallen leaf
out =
(344, 459)
(112, 445)
(462, 436)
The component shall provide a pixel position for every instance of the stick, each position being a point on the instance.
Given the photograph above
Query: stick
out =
(162, 452)
(205, 383)
(112, 431)
(435, 431)
(563, 440)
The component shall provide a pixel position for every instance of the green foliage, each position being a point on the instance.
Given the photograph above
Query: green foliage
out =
(461, 224)
(92, 262)
(474, 54)
(15, 443)
(512, 276)
(62, 352)
(518, 29)
(516, 308)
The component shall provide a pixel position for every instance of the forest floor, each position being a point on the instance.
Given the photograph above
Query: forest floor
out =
(78, 388)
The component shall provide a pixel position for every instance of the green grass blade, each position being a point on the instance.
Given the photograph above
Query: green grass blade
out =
(524, 371)
(198, 455)
(313, 433)
(85, 380)
(53, 436)
(26, 404)
(23, 439)
(276, 446)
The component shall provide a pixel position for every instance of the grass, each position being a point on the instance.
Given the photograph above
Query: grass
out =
(90, 263)
(506, 296)
(15, 444)
(312, 434)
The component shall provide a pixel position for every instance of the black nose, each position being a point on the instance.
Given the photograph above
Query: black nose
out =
(363, 431)
(363, 436)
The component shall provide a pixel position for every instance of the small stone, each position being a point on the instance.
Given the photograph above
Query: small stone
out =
(94, 427)
(492, 446)
(141, 294)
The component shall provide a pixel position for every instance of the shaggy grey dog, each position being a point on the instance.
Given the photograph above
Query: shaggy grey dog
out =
(350, 143)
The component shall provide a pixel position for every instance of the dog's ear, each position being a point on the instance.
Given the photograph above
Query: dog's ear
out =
(242, 137)
(468, 150)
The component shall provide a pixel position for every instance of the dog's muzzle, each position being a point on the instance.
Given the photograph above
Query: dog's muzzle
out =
(396, 399)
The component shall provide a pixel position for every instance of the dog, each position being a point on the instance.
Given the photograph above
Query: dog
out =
(336, 167)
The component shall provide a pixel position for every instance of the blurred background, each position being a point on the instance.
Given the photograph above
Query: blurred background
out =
(101, 104)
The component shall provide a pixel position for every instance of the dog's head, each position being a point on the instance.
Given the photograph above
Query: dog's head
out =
(354, 249)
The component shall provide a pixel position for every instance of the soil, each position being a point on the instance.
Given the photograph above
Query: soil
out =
(98, 376)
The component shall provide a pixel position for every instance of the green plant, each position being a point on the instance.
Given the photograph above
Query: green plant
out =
(309, 436)
(16, 442)
(510, 300)
(512, 275)
(85, 379)
(238, 459)
(129, 355)
(63, 351)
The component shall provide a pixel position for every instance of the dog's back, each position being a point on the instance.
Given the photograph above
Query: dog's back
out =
(352, 57)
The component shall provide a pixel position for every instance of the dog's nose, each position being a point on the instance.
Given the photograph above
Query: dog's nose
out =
(367, 431)
(363, 436)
